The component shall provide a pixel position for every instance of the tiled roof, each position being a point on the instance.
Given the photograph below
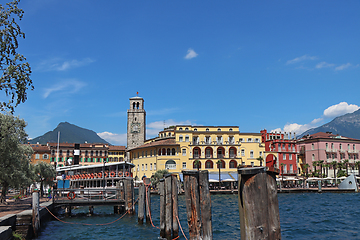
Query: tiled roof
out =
(164, 142)
(116, 148)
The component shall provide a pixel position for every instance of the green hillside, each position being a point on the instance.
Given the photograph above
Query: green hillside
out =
(69, 133)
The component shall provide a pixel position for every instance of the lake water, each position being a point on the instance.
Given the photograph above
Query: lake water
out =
(302, 216)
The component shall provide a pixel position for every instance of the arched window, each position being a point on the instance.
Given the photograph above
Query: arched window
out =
(196, 153)
(159, 152)
(232, 152)
(173, 152)
(208, 152)
(170, 164)
(233, 164)
(209, 164)
(137, 105)
(163, 151)
(168, 151)
(133, 105)
(220, 152)
(195, 164)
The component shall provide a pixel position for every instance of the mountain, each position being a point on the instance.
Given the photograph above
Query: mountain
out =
(69, 133)
(347, 125)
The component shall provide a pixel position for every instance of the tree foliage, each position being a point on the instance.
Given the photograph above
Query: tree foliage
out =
(159, 174)
(15, 169)
(45, 173)
(15, 71)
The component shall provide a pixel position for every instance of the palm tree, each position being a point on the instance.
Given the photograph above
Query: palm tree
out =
(219, 163)
(357, 164)
(197, 164)
(346, 162)
(320, 162)
(326, 166)
(334, 165)
(260, 160)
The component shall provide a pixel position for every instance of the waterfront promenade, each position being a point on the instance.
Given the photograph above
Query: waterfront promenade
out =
(14, 207)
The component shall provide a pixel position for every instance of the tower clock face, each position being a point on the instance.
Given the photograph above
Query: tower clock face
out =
(135, 127)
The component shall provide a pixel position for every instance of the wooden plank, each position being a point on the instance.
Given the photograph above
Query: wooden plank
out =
(205, 205)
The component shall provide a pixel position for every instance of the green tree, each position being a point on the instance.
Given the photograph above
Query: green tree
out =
(357, 164)
(197, 164)
(159, 174)
(260, 159)
(15, 71)
(45, 173)
(334, 166)
(346, 163)
(15, 169)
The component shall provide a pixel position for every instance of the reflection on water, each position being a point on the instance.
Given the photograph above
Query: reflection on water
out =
(302, 216)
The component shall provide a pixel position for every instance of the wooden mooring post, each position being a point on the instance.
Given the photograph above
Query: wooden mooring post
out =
(129, 195)
(147, 200)
(258, 203)
(198, 204)
(141, 204)
(169, 227)
(35, 213)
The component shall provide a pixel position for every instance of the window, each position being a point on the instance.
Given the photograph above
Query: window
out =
(327, 146)
(251, 154)
(249, 140)
(230, 129)
(313, 157)
(233, 164)
(209, 164)
(220, 152)
(37, 156)
(180, 129)
(241, 140)
(145, 153)
(186, 129)
(291, 168)
(312, 146)
(150, 166)
(290, 156)
(219, 140)
(173, 152)
(208, 153)
(232, 152)
(242, 152)
(184, 152)
(195, 129)
(53, 159)
(196, 153)
(256, 140)
(219, 129)
(186, 138)
(195, 140)
(252, 164)
(284, 156)
(180, 138)
(145, 166)
(142, 167)
(231, 140)
(154, 166)
(207, 140)
(150, 153)
(207, 130)
(138, 168)
(260, 154)
(184, 165)
(170, 164)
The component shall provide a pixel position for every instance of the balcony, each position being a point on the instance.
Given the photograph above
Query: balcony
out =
(221, 156)
(331, 150)
(196, 155)
(208, 156)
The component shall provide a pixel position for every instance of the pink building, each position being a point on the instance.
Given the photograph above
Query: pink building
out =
(328, 148)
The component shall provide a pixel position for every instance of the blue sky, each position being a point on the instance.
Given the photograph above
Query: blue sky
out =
(287, 65)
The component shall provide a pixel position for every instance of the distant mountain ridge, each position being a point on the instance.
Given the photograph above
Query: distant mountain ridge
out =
(347, 125)
(69, 133)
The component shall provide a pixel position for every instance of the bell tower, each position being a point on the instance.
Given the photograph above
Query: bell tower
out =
(136, 123)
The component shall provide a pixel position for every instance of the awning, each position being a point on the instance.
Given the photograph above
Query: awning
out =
(214, 177)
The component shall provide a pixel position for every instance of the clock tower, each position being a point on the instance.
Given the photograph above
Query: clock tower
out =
(136, 123)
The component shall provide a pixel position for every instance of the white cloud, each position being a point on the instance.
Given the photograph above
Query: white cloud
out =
(58, 64)
(331, 112)
(69, 86)
(191, 54)
(343, 66)
(300, 59)
(340, 109)
(324, 65)
(114, 138)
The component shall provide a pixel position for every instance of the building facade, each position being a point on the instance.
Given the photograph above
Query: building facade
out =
(328, 148)
(41, 153)
(281, 152)
(185, 147)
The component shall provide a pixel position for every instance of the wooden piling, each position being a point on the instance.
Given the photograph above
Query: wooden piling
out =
(35, 213)
(192, 197)
(147, 183)
(129, 196)
(141, 204)
(168, 207)
(258, 203)
(205, 205)
(175, 211)
(162, 207)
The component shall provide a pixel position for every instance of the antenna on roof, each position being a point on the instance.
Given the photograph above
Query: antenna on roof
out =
(164, 124)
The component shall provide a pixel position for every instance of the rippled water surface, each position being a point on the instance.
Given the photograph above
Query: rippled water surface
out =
(302, 216)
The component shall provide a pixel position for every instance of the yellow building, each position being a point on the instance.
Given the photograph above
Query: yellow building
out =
(182, 147)
(41, 153)
(116, 153)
